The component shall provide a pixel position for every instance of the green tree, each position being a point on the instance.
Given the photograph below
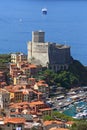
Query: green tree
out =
(56, 114)
(47, 117)
(49, 76)
(79, 71)
(81, 125)
(66, 79)
(74, 76)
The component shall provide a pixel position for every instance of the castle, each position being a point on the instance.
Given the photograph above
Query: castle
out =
(47, 54)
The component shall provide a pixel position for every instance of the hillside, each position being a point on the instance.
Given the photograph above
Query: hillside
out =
(76, 75)
(79, 71)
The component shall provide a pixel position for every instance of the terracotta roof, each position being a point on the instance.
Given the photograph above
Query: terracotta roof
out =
(23, 103)
(42, 81)
(1, 118)
(14, 120)
(32, 66)
(25, 106)
(41, 84)
(36, 103)
(70, 122)
(52, 122)
(13, 64)
(45, 109)
(32, 112)
(19, 105)
(3, 90)
(55, 128)
(3, 83)
(1, 72)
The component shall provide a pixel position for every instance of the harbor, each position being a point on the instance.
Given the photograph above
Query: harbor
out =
(73, 103)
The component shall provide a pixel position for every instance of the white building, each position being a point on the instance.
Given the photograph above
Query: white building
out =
(18, 57)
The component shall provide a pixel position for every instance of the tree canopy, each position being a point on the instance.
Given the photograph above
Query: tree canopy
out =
(81, 125)
(75, 75)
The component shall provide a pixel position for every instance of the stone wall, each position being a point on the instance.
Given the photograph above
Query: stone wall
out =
(38, 53)
(57, 56)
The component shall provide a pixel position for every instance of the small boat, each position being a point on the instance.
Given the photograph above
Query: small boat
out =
(44, 11)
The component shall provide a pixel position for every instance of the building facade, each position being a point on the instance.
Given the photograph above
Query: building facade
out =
(52, 55)
(18, 57)
(4, 98)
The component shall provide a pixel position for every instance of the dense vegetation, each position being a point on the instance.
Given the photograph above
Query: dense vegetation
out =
(79, 71)
(78, 125)
(4, 65)
(4, 60)
(81, 125)
(59, 116)
(76, 75)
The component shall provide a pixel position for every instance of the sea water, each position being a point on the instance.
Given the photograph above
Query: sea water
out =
(72, 111)
(65, 23)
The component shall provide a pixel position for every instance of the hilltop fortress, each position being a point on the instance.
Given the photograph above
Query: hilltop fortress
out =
(53, 55)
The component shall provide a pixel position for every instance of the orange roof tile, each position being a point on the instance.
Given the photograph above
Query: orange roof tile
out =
(55, 128)
(3, 90)
(18, 105)
(25, 92)
(13, 64)
(52, 122)
(45, 109)
(32, 112)
(14, 120)
(1, 72)
(32, 66)
(36, 103)
(1, 118)
(70, 122)
(41, 84)
(42, 81)
(25, 106)
(3, 83)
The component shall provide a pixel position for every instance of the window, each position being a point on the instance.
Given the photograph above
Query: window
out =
(8, 125)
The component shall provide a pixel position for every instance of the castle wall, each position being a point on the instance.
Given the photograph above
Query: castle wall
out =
(38, 53)
(57, 56)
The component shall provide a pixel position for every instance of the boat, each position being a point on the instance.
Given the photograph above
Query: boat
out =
(44, 11)
(78, 116)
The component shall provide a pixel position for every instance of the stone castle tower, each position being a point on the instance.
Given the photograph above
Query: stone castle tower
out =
(55, 56)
